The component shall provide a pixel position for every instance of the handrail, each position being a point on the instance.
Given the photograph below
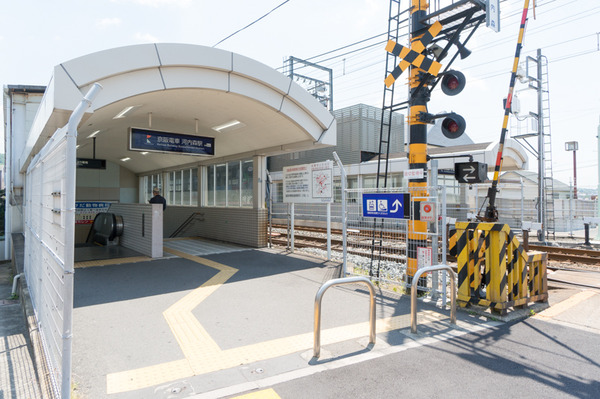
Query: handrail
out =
(413, 294)
(186, 223)
(319, 297)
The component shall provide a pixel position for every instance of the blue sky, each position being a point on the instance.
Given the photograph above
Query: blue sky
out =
(39, 34)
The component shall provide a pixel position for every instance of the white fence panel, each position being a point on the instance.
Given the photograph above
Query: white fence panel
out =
(47, 259)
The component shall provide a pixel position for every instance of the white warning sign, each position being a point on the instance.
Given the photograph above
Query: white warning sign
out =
(423, 257)
(310, 183)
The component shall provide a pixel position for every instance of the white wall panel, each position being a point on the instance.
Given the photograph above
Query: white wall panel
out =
(308, 103)
(191, 55)
(299, 116)
(87, 69)
(253, 89)
(127, 85)
(260, 72)
(185, 77)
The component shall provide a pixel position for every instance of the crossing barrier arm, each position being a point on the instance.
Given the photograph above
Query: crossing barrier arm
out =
(413, 294)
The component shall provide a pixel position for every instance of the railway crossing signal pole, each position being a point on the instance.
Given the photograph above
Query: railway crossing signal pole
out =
(443, 25)
(417, 147)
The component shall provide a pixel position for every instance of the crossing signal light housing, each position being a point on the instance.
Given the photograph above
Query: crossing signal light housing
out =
(453, 82)
(453, 125)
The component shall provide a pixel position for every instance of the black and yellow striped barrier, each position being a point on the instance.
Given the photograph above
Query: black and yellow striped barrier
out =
(490, 256)
(413, 56)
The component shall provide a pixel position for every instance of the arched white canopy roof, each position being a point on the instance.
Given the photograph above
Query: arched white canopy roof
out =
(185, 89)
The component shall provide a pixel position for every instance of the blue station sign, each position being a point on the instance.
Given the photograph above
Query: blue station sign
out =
(152, 140)
(386, 205)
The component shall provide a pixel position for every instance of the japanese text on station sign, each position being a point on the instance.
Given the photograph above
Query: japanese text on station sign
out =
(309, 183)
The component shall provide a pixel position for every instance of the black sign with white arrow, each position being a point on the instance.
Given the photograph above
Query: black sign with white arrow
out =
(470, 172)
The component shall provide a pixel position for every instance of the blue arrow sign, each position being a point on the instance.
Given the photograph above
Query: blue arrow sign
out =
(386, 205)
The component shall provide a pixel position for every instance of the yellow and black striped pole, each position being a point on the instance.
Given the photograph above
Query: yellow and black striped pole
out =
(491, 214)
(417, 148)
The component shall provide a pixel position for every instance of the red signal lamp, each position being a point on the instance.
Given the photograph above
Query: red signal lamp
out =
(453, 82)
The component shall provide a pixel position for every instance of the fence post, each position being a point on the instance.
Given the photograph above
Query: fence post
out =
(292, 226)
(435, 250)
(344, 216)
(570, 210)
(329, 231)
(522, 202)
(444, 241)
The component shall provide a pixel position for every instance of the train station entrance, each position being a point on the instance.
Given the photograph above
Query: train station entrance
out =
(196, 123)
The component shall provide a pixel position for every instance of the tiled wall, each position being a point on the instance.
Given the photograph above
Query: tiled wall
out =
(137, 228)
(237, 225)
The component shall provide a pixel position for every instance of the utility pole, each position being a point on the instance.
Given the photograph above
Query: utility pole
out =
(424, 74)
(417, 148)
(598, 197)
(541, 154)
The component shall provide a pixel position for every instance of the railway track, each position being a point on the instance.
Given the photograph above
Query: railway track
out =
(316, 237)
(574, 255)
(560, 258)
(305, 241)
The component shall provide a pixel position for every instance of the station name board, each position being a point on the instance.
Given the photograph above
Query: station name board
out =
(152, 140)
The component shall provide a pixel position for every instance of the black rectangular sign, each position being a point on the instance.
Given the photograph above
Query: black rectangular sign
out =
(90, 163)
(470, 172)
(152, 140)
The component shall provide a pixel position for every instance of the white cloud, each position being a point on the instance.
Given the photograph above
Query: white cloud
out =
(146, 37)
(106, 22)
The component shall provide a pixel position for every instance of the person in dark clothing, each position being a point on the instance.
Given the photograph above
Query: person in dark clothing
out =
(158, 199)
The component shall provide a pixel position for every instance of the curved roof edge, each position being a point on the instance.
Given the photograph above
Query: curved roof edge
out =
(164, 66)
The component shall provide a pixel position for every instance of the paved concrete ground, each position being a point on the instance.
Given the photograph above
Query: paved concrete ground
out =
(196, 325)
(241, 323)
(17, 375)
(533, 358)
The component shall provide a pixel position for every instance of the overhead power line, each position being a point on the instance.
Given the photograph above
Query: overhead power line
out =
(251, 23)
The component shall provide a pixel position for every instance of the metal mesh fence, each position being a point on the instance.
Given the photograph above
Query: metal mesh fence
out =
(379, 247)
(45, 253)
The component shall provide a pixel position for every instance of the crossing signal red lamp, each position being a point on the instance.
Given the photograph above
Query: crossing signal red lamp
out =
(453, 125)
(453, 82)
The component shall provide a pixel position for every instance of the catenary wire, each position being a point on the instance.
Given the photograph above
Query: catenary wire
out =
(250, 24)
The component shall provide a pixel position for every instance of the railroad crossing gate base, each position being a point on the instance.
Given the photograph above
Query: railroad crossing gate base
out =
(495, 271)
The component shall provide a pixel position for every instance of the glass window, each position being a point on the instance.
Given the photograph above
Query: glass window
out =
(171, 188)
(194, 189)
(247, 168)
(210, 185)
(221, 188)
(152, 181)
(148, 190)
(369, 182)
(229, 184)
(186, 186)
(395, 180)
(181, 186)
(178, 187)
(233, 184)
(352, 182)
